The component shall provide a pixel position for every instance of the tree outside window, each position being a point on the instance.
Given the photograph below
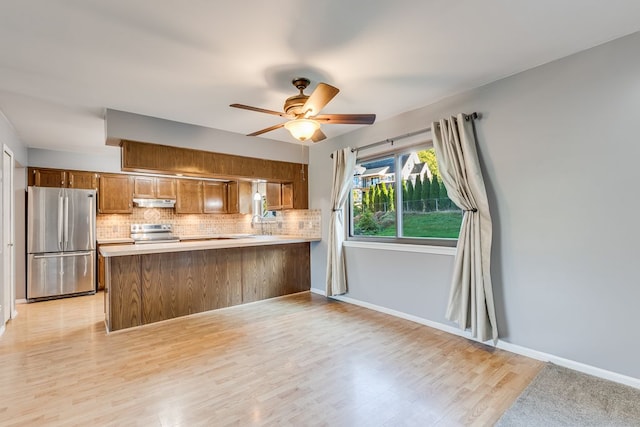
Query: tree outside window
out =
(421, 207)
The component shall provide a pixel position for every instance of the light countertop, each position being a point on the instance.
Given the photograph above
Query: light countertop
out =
(196, 243)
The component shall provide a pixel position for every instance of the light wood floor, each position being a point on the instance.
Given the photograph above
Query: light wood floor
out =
(294, 361)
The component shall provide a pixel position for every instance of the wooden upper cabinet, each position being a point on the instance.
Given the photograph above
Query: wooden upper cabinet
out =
(144, 187)
(165, 188)
(115, 194)
(245, 197)
(149, 187)
(215, 197)
(48, 178)
(80, 179)
(233, 202)
(279, 196)
(189, 196)
(144, 157)
(60, 178)
(287, 195)
(274, 196)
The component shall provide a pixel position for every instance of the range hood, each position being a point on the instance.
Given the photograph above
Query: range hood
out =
(154, 203)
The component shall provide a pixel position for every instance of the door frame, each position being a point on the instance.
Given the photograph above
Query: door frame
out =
(8, 234)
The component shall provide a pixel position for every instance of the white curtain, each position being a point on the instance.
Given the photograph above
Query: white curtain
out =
(344, 162)
(471, 295)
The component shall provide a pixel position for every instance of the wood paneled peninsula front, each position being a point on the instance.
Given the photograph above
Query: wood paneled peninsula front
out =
(153, 282)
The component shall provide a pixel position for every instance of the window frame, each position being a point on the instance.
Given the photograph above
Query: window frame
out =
(397, 153)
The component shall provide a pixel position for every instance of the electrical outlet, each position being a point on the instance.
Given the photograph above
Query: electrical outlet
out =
(310, 225)
(300, 225)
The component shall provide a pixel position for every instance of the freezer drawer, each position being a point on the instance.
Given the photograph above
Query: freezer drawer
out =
(56, 274)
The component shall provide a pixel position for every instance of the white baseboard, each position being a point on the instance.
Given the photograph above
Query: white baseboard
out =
(503, 345)
(2, 328)
(21, 301)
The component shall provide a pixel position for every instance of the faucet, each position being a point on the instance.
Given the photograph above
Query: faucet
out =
(257, 218)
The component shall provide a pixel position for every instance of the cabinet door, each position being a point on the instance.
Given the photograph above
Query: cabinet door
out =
(101, 262)
(245, 197)
(165, 188)
(239, 197)
(233, 203)
(215, 197)
(100, 272)
(144, 187)
(84, 180)
(115, 193)
(287, 195)
(49, 178)
(274, 196)
(189, 196)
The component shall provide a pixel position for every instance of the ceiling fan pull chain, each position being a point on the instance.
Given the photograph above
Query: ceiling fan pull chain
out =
(302, 161)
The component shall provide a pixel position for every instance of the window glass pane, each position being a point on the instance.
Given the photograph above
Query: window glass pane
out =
(373, 198)
(427, 211)
(422, 205)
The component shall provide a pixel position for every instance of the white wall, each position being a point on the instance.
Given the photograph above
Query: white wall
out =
(561, 167)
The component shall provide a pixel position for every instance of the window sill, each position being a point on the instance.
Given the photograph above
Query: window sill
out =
(401, 247)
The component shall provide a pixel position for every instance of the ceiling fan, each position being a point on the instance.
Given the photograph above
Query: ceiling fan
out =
(303, 112)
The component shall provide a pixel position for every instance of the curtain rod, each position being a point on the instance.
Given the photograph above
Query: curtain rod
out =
(467, 117)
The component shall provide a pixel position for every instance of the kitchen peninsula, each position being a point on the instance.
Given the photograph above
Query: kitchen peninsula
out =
(154, 282)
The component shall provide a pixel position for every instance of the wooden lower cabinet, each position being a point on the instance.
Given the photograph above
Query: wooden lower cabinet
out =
(148, 288)
(101, 261)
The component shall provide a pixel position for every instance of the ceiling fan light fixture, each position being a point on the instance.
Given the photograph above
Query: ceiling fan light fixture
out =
(302, 129)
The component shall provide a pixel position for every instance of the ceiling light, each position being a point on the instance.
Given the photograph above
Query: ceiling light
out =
(302, 129)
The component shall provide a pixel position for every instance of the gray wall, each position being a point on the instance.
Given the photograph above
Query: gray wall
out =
(107, 160)
(9, 137)
(123, 125)
(561, 168)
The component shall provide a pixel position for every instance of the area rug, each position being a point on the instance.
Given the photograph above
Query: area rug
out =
(559, 396)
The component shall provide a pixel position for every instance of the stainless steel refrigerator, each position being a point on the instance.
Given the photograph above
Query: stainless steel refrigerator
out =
(61, 244)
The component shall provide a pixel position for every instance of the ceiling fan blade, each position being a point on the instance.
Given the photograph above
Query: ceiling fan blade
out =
(269, 129)
(259, 110)
(320, 97)
(318, 135)
(346, 119)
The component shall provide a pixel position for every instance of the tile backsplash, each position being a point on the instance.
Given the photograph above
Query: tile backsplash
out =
(299, 222)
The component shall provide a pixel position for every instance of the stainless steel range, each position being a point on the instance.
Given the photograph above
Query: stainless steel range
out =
(153, 233)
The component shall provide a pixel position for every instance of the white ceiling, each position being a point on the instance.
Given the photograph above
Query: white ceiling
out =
(62, 62)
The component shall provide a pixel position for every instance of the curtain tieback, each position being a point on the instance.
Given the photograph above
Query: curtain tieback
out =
(471, 210)
(336, 210)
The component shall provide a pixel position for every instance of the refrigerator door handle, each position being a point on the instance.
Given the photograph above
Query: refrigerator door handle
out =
(92, 217)
(60, 219)
(66, 221)
(62, 255)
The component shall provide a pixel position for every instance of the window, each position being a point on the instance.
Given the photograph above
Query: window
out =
(420, 212)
